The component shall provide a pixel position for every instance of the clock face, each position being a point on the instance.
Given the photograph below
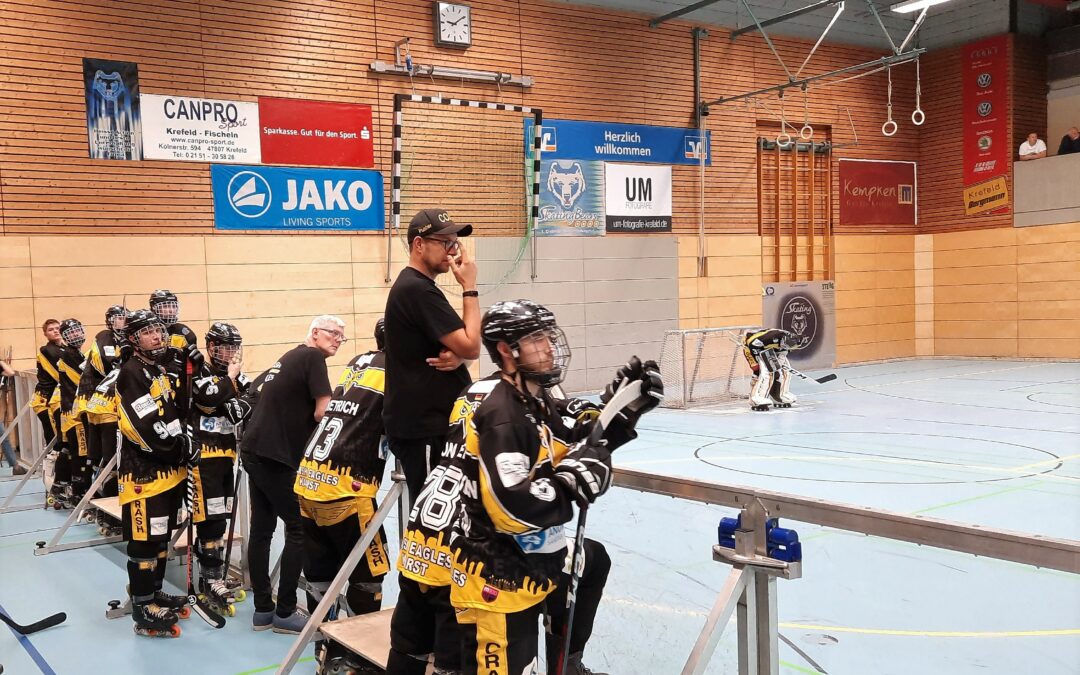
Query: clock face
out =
(453, 24)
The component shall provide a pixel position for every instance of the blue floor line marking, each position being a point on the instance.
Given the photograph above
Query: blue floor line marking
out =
(42, 664)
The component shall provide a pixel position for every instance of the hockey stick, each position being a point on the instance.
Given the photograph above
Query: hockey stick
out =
(201, 607)
(820, 380)
(628, 391)
(232, 518)
(47, 622)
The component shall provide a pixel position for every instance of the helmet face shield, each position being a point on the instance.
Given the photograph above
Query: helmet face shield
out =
(72, 333)
(150, 341)
(543, 356)
(167, 310)
(221, 355)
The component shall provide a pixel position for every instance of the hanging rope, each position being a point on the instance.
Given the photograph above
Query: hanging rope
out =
(890, 127)
(918, 116)
(807, 131)
(783, 139)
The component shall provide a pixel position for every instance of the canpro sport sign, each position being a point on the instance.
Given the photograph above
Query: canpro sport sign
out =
(200, 129)
(282, 198)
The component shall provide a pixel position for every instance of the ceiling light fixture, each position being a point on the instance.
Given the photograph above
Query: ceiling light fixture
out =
(909, 6)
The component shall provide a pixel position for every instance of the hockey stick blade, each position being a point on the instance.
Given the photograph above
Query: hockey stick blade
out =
(820, 380)
(47, 622)
(622, 398)
(206, 612)
(828, 378)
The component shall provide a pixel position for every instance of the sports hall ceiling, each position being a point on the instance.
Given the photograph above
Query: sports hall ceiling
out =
(856, 24)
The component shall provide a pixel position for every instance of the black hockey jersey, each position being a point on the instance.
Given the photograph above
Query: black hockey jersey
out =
(151, 429)
(508, 541)
(181, 338)
(70, 368)
(343, 457)
(104, 355)
(48, 378)
(217, 409)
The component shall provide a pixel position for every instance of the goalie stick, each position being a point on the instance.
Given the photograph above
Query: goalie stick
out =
(820, 380)
(47, 622)
(628, 391)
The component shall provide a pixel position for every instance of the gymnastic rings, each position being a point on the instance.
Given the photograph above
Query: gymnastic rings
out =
(806, 133)
(783, 139)
(889, 128)
(918, 116)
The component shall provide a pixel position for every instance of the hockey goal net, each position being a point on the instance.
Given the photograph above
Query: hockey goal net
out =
(704, 365)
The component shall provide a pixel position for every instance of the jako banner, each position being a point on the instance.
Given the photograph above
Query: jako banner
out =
(285, 198)
(566, 139)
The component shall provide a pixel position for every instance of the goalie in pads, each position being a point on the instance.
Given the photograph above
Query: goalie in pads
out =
(766, 351)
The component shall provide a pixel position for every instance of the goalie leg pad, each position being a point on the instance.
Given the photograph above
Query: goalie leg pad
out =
(759, 394)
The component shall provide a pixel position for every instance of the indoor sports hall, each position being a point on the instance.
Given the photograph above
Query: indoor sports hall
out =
(846, 231)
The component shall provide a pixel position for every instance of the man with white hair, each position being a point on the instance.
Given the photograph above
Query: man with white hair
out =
(295, 393)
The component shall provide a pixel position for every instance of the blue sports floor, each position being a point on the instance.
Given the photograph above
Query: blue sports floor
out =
(992, 442)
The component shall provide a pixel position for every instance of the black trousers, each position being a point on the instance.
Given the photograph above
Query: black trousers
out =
(418, 456)
(589, 591)
(423, 623)
(272, 497)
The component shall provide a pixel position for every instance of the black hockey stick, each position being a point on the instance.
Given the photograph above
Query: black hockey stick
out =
(201, 607)
(820, 380)
(47, 622)
(627, 392)
(232, 518)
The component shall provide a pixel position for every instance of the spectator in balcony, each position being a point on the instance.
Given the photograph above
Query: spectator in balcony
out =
(1070, 142)
(1032, 148)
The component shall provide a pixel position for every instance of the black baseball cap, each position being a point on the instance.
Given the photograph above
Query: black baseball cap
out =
(435, 221)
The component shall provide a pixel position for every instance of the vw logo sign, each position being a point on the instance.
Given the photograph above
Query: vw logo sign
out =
(984, 80)
(985, 108)
(249, 194)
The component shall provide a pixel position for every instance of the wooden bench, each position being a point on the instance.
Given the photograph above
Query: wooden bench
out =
(367, 635)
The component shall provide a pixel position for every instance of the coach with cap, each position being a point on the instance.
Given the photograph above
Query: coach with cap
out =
(428, 344)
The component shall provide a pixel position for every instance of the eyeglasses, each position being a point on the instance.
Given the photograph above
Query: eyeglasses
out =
(449, 245)
(336, 334)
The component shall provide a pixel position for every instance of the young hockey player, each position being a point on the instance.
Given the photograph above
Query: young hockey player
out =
(336, 484)
(102, 358)
(766, 351)
(218, 409)
(72, 464)
(183, 347)
(48, 376)
(155, 448)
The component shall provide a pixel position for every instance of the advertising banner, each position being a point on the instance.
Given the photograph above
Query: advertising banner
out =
(571, 198)
(986, 196)
(113, 123)
(985, 72)
(566, 139)
(200, 129)
(878, 192)
(637, 198)
(283, 198)
(316, 133)
(807, 309)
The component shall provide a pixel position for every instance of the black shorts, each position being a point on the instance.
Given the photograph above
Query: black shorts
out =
(215, 483)
(332, 529)
(154, 518)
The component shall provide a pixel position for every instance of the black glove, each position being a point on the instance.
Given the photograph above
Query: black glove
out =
(195, 357)
(586, 470)
(190, 451)
(652, 390)
(630, 371)
(581, 410)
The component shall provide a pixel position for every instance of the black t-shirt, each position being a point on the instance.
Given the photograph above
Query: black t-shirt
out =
(1068, 146)
(418, 398)
(285, 415)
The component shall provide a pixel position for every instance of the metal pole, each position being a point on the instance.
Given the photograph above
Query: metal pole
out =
(727, 599)
(877, 17)
(14, 423)
(914, 29)
(839, 11)
(768, 41)
(54, 543)
(680, 12)
(784, 17)
(6, 507)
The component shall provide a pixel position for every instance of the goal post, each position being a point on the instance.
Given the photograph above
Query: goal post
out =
(704, 365)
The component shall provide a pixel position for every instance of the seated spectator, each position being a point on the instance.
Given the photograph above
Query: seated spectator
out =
(1070, 142)
(1032, 148)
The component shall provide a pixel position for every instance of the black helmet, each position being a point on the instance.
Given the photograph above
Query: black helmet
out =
(72, 332)
(114, 312)
(166, 305)
(223, 343)
(140, 322)
(380, 333)
(514, 320)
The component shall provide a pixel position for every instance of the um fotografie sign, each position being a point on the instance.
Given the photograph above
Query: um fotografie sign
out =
(878, 192)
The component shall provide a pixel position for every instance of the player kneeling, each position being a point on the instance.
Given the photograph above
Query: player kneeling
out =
(766, 351)
(155, 448)
(521, 472)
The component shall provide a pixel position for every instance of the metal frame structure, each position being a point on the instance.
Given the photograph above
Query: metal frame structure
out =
(395, 193)
(31, 472)
(750, 587)
(75, 517)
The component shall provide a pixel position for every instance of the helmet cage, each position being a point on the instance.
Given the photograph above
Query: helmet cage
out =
(73, 333)
(167, 310)
(528, 366)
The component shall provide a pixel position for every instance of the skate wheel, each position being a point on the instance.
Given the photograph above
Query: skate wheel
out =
(239, 595)
(174, 631)
(184, 612)
(230, 611)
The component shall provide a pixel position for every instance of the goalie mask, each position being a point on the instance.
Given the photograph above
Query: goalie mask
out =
(538, 345)
(380, 334)
(146, 333)
(166, 305)
(72, 333)
(223, 342)
(115, 320)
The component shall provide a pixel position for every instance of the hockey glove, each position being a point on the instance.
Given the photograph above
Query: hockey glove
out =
(629, 372)
(194, 357)
(582, 411)
(586, 471)
(191, 452)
